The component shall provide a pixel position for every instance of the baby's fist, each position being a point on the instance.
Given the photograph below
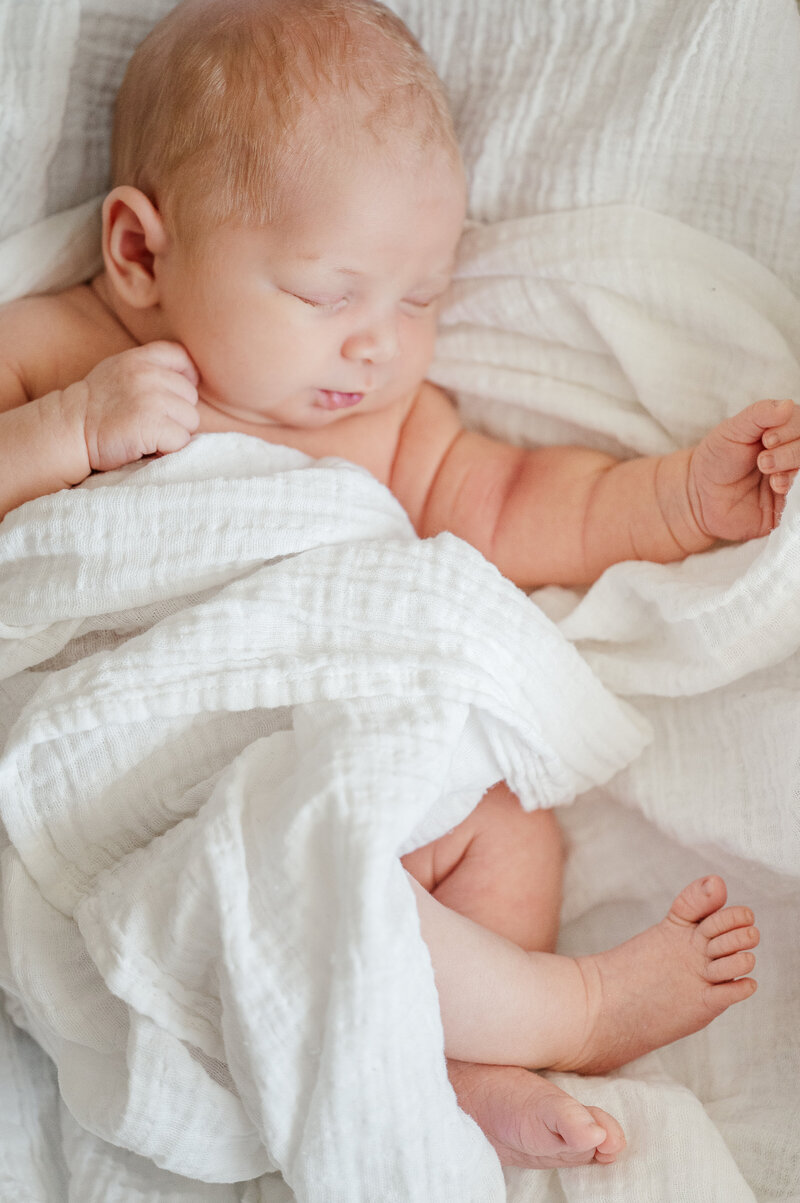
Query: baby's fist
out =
(137, 403)
(742, 469)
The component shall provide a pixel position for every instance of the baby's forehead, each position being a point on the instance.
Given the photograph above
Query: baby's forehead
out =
(351, 119)
(378, 172)
(363, 216)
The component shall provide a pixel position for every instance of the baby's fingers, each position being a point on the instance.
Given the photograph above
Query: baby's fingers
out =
(182, 411)
(751, 425)
(169, 383)
(174, 357)
(781, 482)
(781, 460)
(172, 436)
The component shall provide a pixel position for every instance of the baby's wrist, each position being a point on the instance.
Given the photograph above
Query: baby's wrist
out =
(64, 414)
(678, 502)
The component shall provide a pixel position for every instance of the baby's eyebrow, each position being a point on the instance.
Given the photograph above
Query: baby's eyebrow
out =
(340, 271)
(441, 276)
(432, 279)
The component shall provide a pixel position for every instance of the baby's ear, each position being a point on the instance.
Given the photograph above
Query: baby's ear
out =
(133, 234)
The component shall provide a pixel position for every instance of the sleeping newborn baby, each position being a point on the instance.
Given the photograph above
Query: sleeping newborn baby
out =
(288, 198)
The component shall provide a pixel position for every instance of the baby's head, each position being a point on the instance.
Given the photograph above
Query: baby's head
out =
(290, 167)
(229, 107)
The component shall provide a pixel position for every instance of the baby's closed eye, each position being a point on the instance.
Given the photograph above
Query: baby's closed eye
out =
(320, 302)
(423, 302)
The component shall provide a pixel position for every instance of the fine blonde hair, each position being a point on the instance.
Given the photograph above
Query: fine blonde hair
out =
(226, 102)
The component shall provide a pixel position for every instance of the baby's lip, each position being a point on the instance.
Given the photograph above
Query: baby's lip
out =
(331, 399)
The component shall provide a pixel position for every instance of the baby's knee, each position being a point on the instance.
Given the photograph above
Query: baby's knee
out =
(541, 827)
(548, 831)
(497, 829)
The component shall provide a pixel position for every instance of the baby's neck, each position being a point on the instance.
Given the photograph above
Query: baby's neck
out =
(141, 325)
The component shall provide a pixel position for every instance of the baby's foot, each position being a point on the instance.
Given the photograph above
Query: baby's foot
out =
(530, 1122)
(668, 981)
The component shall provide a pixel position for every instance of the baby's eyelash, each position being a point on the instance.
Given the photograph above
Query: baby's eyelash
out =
(315, 304)
(424, 304)
(339, 302)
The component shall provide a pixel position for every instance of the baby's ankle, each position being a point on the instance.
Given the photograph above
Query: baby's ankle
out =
(566, 1002)
(579, 1037)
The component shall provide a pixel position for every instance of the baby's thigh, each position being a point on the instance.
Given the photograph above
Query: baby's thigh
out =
(502, 868)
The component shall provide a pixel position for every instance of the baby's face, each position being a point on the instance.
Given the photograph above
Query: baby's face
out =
(330, 311)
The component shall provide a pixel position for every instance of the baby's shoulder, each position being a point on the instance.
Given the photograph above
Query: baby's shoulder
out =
(435, 400)
(49, 341)
(432, 419)
(429, 430)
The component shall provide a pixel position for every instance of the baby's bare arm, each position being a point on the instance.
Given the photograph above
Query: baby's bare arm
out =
(76, 396)
(561, 515)
(40, 451)
(41, 445)
(550, 515)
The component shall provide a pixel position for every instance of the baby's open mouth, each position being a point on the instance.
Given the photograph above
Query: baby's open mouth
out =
(327, 399)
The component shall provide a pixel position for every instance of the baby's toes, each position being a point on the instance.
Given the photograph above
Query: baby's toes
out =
(580, 1128)
(727, 969)
(733, 941)
(699, 899)
(725, 920)
(609, 1149)
(721, 995)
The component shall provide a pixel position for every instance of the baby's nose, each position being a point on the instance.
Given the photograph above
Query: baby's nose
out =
(376, 343)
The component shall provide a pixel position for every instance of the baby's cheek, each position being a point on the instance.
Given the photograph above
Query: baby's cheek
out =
(420, 351)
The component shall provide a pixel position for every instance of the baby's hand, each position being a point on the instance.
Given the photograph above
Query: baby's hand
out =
(136, 403)
(741, 471)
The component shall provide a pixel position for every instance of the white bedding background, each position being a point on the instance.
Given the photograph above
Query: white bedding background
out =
(635, 277)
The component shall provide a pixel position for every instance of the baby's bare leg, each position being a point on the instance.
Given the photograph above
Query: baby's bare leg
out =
(505, 1006)
(502, 868)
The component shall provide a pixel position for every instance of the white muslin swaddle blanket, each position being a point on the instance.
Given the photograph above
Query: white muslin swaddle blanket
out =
(249, 687)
